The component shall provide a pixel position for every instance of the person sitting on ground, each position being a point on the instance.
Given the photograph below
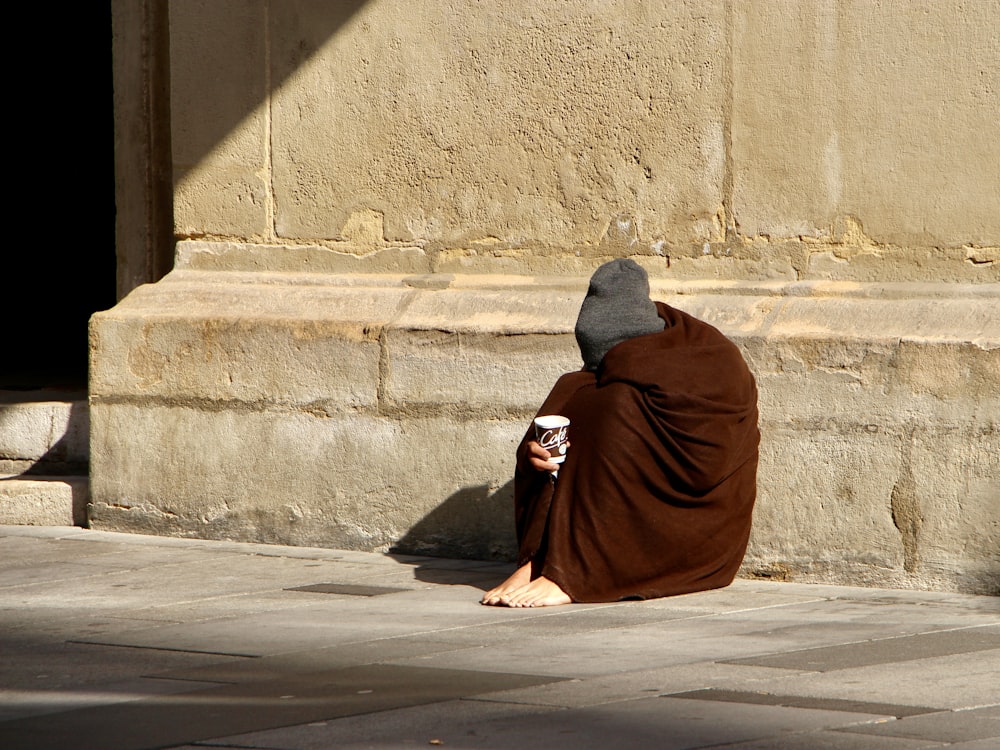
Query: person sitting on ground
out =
(656, 493)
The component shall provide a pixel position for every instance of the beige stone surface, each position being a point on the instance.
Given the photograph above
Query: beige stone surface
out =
(361, 481)
(881, 113)
(777, 140)
(491, 373)
(219, 123)
(572, 125)
(32, 429)
(260, 343)
(43, 501)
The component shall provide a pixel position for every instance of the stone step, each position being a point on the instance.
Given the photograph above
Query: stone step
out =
(44, 432)
(44, 500)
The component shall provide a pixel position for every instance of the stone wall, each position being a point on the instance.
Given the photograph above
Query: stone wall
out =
(386, 218)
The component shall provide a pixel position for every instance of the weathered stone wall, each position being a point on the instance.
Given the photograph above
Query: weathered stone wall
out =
(777, 139)
(388, 214)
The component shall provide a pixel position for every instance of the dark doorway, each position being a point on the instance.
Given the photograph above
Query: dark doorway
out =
(59, 264)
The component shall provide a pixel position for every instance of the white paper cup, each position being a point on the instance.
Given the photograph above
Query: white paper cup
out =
(552, 433)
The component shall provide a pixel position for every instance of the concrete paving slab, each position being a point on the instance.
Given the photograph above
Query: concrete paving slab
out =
(951, 726)
(650, 722)
(635, 684)
(517, 626)
(884, 650)
(950, 682)
(664, 643)
(455, 724)
(216, 607)
(300, 662)
(187, 717)
(596, 671)
(21, 551)
(333, 620)
(763, 698)
(986, 744)
(834, 740)
(741, 595)
(903, 617)
(42, 666)
(18, 704)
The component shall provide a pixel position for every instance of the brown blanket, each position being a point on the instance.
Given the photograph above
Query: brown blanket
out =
(656, 494)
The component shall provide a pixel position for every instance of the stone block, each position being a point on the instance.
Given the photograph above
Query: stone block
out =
(523, 122)
(44, 501)
(219, 121)
(495, 374)
(866, 112)
(428, 485)
(260, 343)
(40, 431)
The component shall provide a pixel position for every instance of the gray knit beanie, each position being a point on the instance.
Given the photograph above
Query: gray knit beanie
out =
(617, 307)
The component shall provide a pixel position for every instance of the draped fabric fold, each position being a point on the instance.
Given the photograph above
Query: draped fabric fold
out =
(656, 495)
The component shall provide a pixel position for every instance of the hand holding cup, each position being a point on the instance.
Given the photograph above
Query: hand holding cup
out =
(552, 436)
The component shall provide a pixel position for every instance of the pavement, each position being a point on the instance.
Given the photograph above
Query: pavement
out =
(114, 641)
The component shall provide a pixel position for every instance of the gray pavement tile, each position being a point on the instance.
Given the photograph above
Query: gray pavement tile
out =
(891, 617)
(177, 543)
(646, 723)
(833, 740)
(216, 607)
(951, 726)
(47, 573)
(20, 551)
(660, 644)
(760, 697)
(313, 660)
(957, 681)
(174, 582)
(883, 651)
(221, 711)
(17, 704)
(45, 532)
(35, 665)
(931, 599)
(990, 743)
(346, 589)
(332, 620)
(61, 625)
(585, 654)
(516, 625)
(455, 724)
(643, 723)
(735, 598)
(633, 684)
(875, 594)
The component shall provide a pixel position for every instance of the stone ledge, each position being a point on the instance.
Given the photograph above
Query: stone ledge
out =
(44, 501)
(43, 432)
(380, 411)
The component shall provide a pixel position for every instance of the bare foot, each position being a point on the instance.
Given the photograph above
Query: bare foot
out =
(539, 593)
(520, 578)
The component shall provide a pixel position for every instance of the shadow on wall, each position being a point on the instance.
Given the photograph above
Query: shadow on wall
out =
(312, 25)
(475, 523)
